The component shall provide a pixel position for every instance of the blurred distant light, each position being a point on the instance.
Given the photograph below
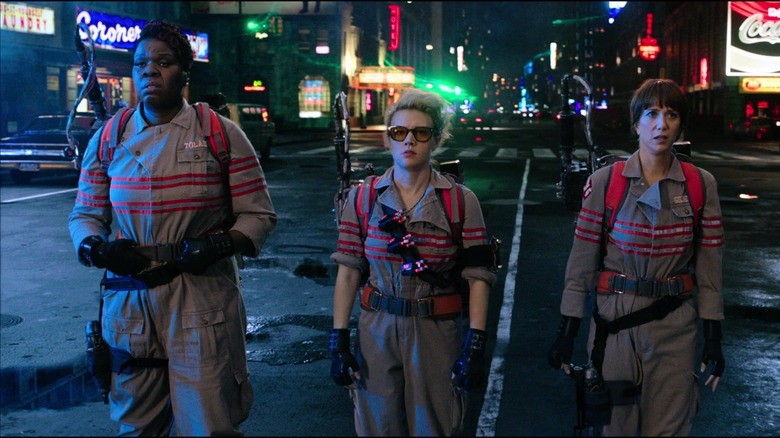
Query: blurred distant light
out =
(553, 55)
(429, 47)
(747, 196)
(322, 50)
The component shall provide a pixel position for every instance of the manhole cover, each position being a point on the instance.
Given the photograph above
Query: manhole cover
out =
(9, 320)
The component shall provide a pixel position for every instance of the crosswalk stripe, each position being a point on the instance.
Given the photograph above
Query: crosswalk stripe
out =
(316, 151)
(543, 153)
(537, 153)
(471, 152)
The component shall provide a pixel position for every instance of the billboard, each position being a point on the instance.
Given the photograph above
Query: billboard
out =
(753, 39)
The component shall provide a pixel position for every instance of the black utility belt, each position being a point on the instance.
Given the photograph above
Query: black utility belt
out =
(144, 280)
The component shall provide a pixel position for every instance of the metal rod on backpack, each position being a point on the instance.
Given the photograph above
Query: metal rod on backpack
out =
(341, 142)
(91, 89)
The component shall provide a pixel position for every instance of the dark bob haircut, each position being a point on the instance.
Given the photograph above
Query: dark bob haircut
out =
(663, 92)
(170, 34)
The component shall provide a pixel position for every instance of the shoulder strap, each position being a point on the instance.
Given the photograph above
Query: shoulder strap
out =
(695, 186)
(214, 132)
(364, 203)
(112, 134)
(453, 203)
(616, 193)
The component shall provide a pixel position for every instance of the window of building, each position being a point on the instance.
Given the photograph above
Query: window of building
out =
(304, 40)
(313, 97)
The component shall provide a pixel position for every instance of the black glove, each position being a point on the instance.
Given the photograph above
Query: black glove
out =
(341, 358)
(468, 372)
(118, 256)
(196, 255)
(712, 351)
(561, 350)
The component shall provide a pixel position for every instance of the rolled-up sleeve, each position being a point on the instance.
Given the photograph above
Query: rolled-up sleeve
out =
(709, 253)
(91, 214)
(349, 247)
(252, 206)
(475, 233)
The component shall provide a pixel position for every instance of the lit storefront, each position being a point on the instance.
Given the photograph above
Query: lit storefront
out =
(40, 68)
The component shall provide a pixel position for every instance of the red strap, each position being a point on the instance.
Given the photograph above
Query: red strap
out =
(363, 209)
(617, 187)
(615, 192)
(112, 134)
(695, 189)
(454, 216)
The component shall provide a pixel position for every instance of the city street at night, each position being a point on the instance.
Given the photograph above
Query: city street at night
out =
(130, 138)
(288, 292)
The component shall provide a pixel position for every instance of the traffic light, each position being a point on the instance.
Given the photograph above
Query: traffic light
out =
(252, 25)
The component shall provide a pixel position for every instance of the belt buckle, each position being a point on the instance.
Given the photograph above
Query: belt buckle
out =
(374, 300)
(675, 285)
(425, 307)
(166, 252)
(619, 290)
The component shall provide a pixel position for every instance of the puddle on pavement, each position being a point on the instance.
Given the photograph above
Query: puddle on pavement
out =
(288, 339)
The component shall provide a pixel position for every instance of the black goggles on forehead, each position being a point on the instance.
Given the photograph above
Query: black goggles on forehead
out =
(399, 133)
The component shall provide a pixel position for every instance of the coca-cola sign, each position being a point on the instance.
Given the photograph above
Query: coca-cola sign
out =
(753, 39)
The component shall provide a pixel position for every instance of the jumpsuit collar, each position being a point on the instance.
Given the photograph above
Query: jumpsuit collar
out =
(427, 210)
(633, 168)
(184, 118)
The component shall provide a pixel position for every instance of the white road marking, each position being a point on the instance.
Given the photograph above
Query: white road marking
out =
(495, 385)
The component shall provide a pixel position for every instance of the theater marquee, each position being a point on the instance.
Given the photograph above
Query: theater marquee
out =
(753, 39)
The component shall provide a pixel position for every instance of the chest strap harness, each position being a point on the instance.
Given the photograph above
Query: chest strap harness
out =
(435, 306)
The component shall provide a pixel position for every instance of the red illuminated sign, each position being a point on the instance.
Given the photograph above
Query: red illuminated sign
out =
(395, 26)
(648, 46)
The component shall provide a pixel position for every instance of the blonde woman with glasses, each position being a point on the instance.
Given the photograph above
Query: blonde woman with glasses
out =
(411, 369)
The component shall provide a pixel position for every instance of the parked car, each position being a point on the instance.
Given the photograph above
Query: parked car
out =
(756, 128)
(255, 121)
(42, 146)
(475, 121)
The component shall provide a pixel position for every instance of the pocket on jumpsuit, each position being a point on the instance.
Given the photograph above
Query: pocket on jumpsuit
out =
(458, 411)
(123, 333)
(684, 213)
(201, 168)
(205, 338)
(247, 395)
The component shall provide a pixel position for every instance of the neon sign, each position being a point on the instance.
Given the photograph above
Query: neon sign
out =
(256, 86)
(26, 19)
(395, 27)
(753, 33)
(121, 33)
(648, 47)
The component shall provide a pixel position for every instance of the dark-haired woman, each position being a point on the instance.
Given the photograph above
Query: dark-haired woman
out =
(172, 307)
(664, 245)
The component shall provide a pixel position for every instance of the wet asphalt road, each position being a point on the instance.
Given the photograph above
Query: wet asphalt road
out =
(288, 293)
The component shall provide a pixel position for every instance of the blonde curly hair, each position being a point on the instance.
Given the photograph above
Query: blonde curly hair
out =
(438, 109)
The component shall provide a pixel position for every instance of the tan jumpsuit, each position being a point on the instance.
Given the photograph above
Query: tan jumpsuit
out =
(406, 362)
(163, 185)
(653, 239)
